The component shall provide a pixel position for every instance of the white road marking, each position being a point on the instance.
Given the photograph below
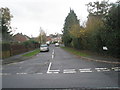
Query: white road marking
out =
(5, 74)
(102, 69)
(98, 70)
(69, 71)
(107, 70)
(65, 71)
(20, 73)
(53, 54)
(85, 70)
(54, 70)
(116, 68)
(48, 71)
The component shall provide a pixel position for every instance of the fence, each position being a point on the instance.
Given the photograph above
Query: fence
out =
(14, 49)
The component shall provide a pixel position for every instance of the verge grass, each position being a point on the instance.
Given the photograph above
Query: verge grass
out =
(75, 52)
(32, 53)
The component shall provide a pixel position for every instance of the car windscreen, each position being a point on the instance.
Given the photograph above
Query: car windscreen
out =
(43, 46)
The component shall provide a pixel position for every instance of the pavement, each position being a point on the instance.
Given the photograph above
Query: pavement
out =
(60, 69)
(16, 58)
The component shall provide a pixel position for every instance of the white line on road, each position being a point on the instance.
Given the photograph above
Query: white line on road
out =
(5, 74)
(102, 69)
(20, 73)
(106, 70)
(69, 71)
(85, 70)
(116, 68)
(53, 54)
(48, 71)
(54, 70)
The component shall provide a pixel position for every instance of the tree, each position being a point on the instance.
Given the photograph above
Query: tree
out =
(112, 23)
(42, 36)
(98, 8)
(70, 21)
(95, 28)
(5, 21)
(103, 28)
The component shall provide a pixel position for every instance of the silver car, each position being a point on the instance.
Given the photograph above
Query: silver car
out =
(44, 47)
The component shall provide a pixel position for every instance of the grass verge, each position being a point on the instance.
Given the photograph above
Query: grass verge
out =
(75, 52)
(32, 53)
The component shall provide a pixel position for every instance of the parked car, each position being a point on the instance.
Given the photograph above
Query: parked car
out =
(44, 47)
(57, 44)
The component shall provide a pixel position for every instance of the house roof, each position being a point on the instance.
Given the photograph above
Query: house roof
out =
(20, 37)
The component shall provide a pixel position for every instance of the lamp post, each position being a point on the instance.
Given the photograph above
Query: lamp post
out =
(40, 35)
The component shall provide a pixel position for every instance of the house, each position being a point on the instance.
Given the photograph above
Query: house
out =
(55, 38)
(49, 38)
(19, 37)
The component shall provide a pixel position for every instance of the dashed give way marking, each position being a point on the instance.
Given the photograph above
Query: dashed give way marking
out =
(86, 70)
(69, 71)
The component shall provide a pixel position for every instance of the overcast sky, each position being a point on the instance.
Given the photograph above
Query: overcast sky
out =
(30, 15)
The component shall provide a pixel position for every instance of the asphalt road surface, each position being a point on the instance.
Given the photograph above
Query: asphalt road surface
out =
(59, 69)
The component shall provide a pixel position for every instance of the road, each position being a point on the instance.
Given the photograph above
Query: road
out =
(59, 69)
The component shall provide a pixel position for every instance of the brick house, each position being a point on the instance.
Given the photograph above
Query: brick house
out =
(19, 37)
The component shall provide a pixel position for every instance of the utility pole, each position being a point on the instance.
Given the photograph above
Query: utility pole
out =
(40, 35)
